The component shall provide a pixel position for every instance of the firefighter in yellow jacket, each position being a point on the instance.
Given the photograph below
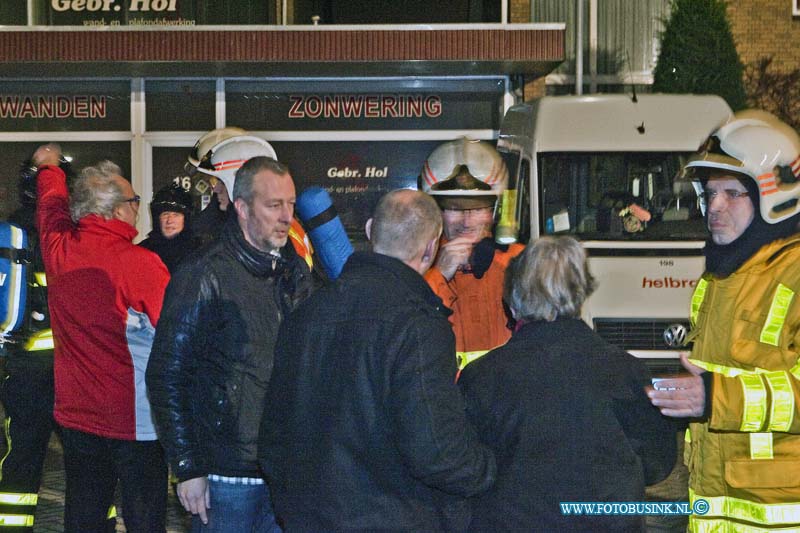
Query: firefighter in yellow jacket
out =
(743, 444)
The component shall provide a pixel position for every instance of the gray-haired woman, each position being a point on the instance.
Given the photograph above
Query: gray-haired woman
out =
(564, 412)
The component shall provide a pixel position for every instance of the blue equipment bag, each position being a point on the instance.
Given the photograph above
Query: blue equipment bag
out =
(318, 215)
(13, 277)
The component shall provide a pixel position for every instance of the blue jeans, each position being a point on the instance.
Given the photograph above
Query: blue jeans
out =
(237, 508)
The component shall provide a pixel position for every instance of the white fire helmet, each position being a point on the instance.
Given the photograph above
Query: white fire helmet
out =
(755, 144)
(221, 152)
(443, 173)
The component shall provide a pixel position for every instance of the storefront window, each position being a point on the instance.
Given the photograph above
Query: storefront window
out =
(13, 13)
(355, 174)
(83, 154)
(187, 105)
(168, 164)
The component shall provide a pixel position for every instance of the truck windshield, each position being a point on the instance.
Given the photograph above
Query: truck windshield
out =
(618, 196)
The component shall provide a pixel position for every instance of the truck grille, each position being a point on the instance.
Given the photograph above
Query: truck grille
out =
(637, 334)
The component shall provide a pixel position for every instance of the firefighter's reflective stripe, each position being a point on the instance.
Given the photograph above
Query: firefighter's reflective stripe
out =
(16, 520)
(9, 501)
(761, 446)
(754, 413)
(7, 433)
(17, 498)
(723, 526)
(40, 278)
(687, 437)
(755, 403)
(697, 300)
(771, 332)
(727, 371)
(767, 514)
(782, 406)
(465, 358)
(41, 340)
(301, 243)
(755, 395)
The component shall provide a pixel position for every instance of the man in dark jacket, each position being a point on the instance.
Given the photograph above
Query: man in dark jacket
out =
(364, 427)
(172, 237)
(212, 356)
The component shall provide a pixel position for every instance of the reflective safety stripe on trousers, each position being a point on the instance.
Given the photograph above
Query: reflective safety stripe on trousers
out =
(16, 520)
(41, 340)
(17, 509)
(775, 516)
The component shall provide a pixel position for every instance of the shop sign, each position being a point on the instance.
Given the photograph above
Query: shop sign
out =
(151, 12)
(50, 106)
(64, 106)
(365, 106)
(113, 5)
(370, 111)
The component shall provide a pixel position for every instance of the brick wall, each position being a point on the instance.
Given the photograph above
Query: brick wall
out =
(766, 27)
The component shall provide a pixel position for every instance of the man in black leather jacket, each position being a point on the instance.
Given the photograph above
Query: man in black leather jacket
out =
(212, 355)
(364, 428)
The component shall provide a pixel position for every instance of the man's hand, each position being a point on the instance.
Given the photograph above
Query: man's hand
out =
(680, 397)
(47, 154)
(452, 255)
(195, 497)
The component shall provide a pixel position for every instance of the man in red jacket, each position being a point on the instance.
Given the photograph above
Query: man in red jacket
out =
(105, 299)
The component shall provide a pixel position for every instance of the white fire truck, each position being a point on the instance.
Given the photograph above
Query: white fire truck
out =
(580, 163)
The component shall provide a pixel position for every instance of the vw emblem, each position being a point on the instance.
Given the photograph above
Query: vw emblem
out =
(675, 335)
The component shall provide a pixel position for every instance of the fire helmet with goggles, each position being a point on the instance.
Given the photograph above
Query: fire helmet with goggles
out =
(465, 174)
(221, 152)
(757, 145)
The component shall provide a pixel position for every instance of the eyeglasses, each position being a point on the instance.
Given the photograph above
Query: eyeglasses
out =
(730, 194)
(134, 201)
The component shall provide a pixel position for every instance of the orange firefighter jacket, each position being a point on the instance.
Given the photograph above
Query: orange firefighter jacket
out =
(479, 321)
(744, 460)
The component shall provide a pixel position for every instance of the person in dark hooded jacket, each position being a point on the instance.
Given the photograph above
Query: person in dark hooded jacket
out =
(172, 237)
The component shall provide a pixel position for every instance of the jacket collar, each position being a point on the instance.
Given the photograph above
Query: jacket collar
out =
(770, 251)
(402, 273)
(541, 329)
(117, 228)
(254, 261)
